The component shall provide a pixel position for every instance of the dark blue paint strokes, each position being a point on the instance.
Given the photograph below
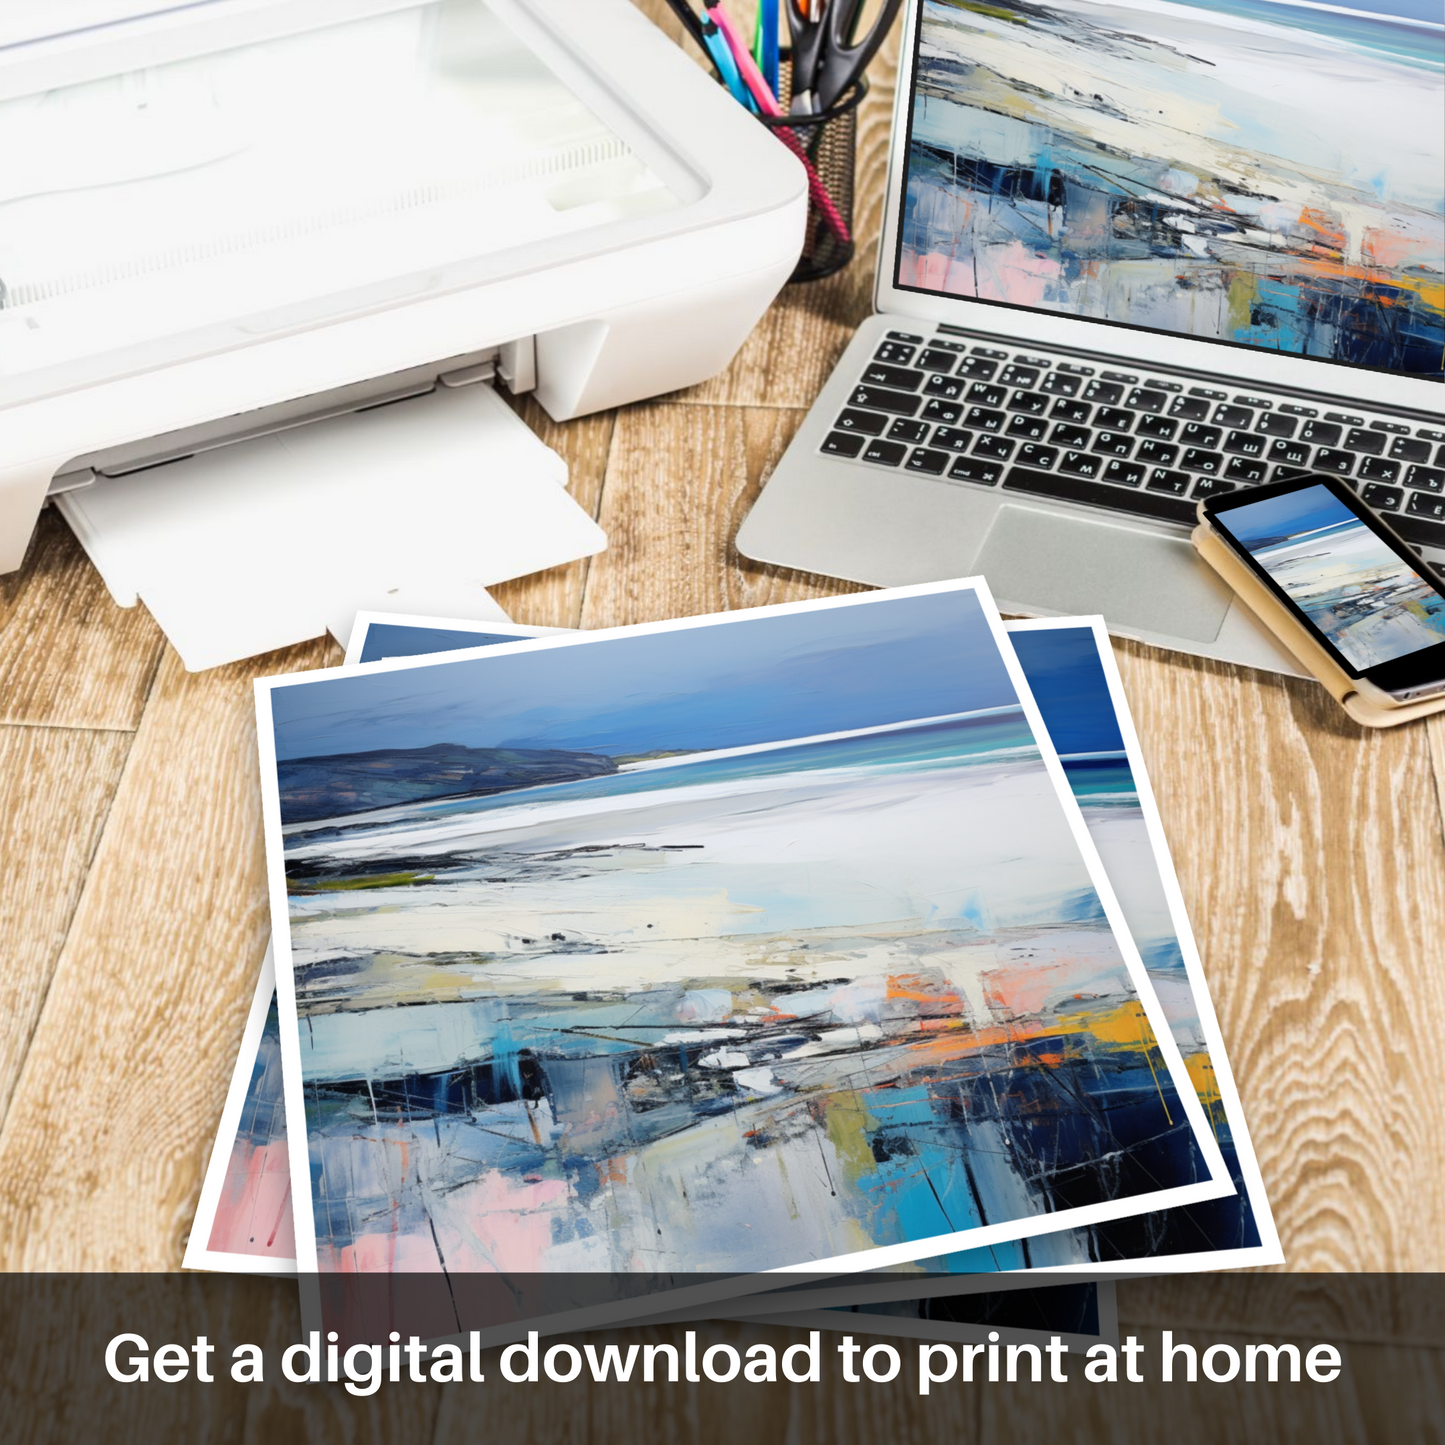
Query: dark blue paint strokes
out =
(1068, 683)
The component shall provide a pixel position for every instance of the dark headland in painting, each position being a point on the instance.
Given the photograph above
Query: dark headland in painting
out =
(332, 787)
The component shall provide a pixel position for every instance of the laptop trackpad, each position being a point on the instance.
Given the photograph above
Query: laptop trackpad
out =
(1070, 564)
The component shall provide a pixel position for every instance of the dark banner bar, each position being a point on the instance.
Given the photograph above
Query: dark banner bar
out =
(1322, 1358)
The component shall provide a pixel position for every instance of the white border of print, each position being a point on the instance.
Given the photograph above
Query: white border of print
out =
(1215, 1186)
(198, 1256)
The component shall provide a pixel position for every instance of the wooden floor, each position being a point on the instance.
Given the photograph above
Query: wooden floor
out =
(133, 912)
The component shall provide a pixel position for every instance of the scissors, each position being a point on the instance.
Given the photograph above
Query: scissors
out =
(827, 54)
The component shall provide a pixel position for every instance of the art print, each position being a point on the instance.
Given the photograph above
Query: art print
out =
(412, 1036)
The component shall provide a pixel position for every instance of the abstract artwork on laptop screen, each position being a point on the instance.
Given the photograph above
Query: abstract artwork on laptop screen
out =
(734, 944)
(1249, 171)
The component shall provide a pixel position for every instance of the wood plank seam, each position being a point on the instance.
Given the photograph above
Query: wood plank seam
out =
(8, 1088)
(75, 908)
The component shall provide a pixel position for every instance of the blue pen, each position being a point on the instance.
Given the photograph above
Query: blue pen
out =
(768, 24)
(727, 67)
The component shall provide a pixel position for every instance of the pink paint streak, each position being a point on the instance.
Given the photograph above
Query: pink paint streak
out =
(253, 1215)
(1009, 272)
(497, 1221)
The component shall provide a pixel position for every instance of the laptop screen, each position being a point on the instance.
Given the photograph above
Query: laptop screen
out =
(1249, 172)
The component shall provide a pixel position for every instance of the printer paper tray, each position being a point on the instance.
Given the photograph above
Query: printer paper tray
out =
(417, 506)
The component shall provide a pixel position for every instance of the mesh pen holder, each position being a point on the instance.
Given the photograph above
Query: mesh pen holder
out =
(826, 143)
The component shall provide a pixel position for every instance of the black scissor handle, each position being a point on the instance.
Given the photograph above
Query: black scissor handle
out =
(844, 58)
(809, 37)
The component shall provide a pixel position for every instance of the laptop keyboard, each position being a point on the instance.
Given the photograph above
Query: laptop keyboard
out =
(1141, 444)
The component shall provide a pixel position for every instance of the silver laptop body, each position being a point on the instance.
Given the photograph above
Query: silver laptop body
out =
(1060, 447)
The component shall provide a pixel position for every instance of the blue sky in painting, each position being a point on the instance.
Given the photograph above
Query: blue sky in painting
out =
(751, 680)
(1061, 663)
(1068, 683)
(1260, 523)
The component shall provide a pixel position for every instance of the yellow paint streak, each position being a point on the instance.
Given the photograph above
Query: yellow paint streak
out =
(848, 1126)
(306, 886)
(992, 11)
(1128, 1027)
(1206, 1085)
(1201, 1075)
(1242, 291)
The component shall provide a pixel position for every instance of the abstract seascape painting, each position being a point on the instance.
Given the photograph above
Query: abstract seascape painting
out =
(1251, 171)
(1371, 603)
(1069, 667)
(755, 942)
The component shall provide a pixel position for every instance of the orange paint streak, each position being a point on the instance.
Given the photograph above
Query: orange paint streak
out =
(612, 1171)
(1384, 250)
(1123, 1026)
(1328, 235)
(915, 989)
(1431, 292)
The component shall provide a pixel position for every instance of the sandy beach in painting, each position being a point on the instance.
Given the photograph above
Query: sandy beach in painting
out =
(860, 990)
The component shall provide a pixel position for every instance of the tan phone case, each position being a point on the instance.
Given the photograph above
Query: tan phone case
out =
(1296, 637)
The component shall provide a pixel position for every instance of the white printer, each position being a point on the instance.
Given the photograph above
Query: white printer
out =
(223, 220)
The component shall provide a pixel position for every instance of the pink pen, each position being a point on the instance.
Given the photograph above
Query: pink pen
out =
(768, 105)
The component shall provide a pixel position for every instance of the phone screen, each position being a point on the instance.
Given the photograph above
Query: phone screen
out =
(1368, 600)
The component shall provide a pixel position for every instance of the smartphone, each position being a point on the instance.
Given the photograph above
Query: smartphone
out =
(1338, 568)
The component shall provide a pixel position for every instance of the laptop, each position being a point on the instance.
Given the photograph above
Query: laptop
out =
(1135, 252)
